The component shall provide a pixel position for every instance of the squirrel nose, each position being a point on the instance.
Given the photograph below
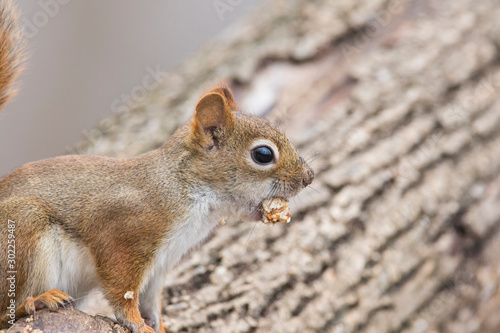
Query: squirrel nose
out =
(308, 179)
(308, 174)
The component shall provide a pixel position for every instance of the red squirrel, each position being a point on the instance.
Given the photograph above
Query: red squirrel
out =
(74, 223)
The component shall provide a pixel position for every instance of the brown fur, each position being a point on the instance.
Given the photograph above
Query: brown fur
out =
(117, 214)
(11, 50)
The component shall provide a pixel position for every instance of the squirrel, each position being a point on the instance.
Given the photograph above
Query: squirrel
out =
(74, 223)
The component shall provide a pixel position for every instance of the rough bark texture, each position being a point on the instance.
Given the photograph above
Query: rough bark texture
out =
(397, 104)
(66, 320)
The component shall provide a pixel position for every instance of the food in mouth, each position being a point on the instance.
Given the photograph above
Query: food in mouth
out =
(275, 210)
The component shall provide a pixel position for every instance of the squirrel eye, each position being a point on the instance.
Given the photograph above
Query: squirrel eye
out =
(262, 155)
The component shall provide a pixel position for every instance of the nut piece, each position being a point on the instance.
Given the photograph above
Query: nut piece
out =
(275, 210)
(129, 295)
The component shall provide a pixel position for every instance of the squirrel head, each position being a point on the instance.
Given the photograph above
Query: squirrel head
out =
(244, 158)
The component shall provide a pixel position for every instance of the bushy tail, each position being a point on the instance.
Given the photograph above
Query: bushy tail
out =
(11, 50)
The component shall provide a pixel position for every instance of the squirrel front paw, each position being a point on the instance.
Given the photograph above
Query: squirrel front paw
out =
(152, 323)
(145, 329)
(140, 328)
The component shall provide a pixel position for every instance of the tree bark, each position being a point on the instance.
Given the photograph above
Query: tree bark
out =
(396, 105)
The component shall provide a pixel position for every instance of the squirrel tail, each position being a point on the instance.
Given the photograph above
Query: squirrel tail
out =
(11, 50)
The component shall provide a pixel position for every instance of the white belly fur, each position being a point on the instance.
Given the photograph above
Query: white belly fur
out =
(67, 266)
(186, 234)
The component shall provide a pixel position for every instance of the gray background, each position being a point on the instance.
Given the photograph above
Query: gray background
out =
(83, 55)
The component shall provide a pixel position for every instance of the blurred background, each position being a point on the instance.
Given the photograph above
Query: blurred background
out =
(395, 104)
(85, 57)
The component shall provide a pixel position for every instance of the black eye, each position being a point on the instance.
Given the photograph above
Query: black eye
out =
(262, 155)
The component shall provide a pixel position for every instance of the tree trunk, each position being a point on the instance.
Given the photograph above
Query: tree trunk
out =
(396, 103)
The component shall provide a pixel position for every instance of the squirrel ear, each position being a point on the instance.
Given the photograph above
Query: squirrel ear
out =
(213, 116)
(226, 92)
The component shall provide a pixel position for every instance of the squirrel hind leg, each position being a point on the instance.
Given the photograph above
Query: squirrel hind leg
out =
(52, 299)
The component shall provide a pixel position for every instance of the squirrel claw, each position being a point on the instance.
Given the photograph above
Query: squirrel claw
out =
(52, 299)
(147, 329)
